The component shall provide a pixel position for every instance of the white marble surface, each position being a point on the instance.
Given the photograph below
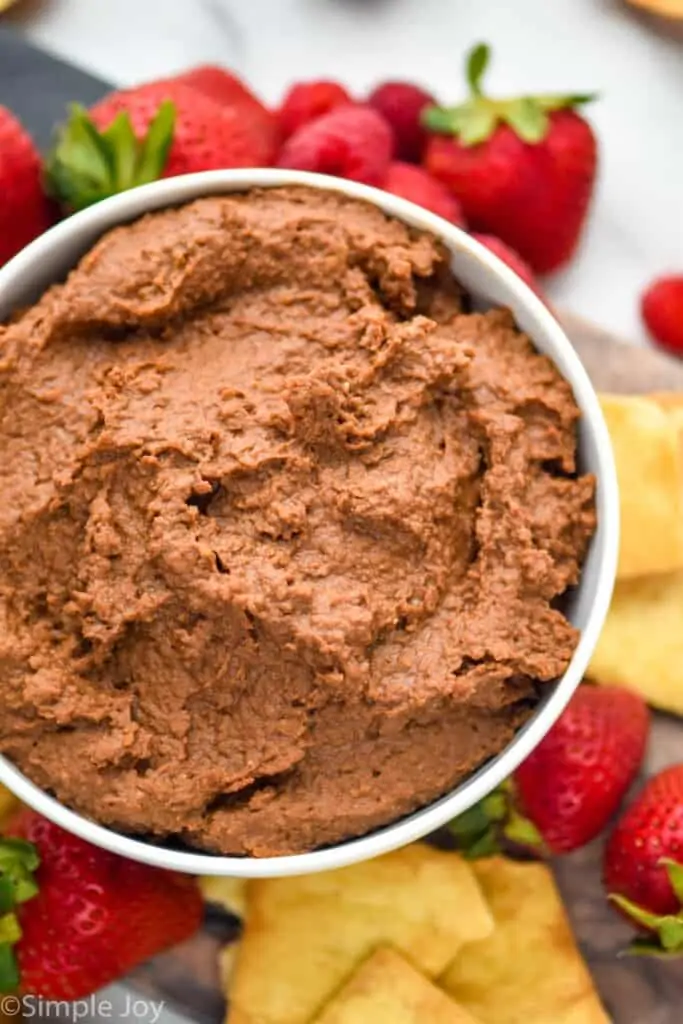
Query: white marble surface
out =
(636, 230)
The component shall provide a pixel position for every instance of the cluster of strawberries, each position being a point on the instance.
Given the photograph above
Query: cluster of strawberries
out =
(566, 793)
(518, 173)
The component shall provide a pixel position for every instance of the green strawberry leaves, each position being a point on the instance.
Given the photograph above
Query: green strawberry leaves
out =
(475, 120)
(560, 101)
(476, 829)
(494, 823)
(472, 122)
(666, 930)
(522, 832)
(87, 165)
(18, 862)
(9, 972)
(527, 118)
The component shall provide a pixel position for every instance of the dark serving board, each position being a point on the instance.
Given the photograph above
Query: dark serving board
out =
(38, 88)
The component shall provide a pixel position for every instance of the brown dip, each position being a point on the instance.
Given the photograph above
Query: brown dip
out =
(282, 526)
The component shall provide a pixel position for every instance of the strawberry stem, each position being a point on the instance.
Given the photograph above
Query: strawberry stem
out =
(477, 63)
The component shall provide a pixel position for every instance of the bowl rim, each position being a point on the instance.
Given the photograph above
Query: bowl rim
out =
(120, 209)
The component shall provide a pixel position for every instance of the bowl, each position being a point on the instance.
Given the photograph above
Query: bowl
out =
(490, 282)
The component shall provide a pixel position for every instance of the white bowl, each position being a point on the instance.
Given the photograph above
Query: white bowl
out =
(491, 282)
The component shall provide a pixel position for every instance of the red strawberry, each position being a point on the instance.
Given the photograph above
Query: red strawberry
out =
(89, 916)
(566, 791)
(522, 168)
(221, 85)
(352, 142)
(401, 104)
(153, 131)
(206, 135)
(419, 187)
(643, 866)
(662, 309)
(24, 209)
(511, 258)
(575, 779)
(307, 101)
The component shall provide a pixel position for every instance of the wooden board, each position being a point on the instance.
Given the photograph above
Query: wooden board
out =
(634, 990)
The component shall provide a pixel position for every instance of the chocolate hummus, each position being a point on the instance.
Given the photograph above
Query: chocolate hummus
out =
(283, 526)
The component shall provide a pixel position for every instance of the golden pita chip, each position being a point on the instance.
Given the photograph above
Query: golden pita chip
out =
(386, 989)
(305, 936)
(641, 644)
(229, 893)
(530, 970)
(672, 401)
(647, 451)
(672, 404)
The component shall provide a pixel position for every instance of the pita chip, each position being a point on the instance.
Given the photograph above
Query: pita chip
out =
(387, 989)
(530, 970)
(641, 644)
(305, 936)
(647, 450)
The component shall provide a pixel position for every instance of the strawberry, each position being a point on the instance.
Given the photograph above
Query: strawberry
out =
(136, 136)
(352, 142)
(77, 917)
(575, 779)
(522, 168)
(643, 865)
(307, 101)
(401, 105)
(223, 87)
(24, 210)
(419, 187)
(662, 309)
(569, 787)
(511, 258)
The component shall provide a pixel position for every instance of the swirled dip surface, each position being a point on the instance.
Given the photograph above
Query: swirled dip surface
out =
(282, 526)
